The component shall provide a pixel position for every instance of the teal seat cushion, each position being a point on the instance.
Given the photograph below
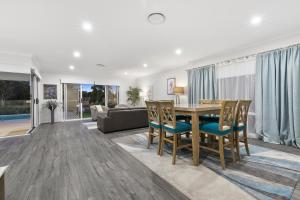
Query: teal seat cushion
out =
(209, 118)
(180, 127)
(183, 117)
(154, 125)
(213, 128)
(239, 128)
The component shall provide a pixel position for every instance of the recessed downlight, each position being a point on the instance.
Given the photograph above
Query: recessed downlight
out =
(145, 65)
(156, 18)
(100, 65)
(125, 73)
(76, 54)
(178, 51)
(256, 20)
(71, 67)
(87, 26)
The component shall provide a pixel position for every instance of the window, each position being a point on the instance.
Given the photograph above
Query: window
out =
(237, 81)
(15, 107)
(112, 96)
(79, 97)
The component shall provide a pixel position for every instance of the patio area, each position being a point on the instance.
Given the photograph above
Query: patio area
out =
(14, 127)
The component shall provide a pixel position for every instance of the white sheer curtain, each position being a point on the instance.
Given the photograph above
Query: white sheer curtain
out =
(237, 81)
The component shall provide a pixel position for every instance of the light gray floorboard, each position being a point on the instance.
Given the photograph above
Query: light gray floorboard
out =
(65, 161)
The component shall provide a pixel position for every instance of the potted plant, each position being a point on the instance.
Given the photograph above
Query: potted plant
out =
(52, 105)
(133, 95)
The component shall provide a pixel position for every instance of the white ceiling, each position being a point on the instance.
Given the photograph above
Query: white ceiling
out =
(123, 40)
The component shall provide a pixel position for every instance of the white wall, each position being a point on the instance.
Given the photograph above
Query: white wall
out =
(159, 81)
(108, 79)
(17, 63)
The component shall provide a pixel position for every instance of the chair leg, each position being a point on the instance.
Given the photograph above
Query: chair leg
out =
(178, 140)
(150, 137)
(175, 137)
(221, 152)
(159, 141)
(210, 139)
(237, 144)
(162, 143)
(245, 137)
(187, 134)
(231, 141)
(202, 135)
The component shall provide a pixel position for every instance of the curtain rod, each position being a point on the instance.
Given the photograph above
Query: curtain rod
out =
(243, 58)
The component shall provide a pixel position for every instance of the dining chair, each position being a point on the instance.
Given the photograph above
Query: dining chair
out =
(180, 117)
(208, 118)
(240, 124)
(154, 123)
(172, 127)
(221, 129)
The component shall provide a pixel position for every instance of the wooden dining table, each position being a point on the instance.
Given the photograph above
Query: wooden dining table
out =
(195, 110)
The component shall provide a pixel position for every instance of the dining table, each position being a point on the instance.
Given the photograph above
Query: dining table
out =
(194, 110)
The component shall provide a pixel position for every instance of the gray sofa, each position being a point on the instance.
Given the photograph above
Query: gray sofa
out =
(117, 119)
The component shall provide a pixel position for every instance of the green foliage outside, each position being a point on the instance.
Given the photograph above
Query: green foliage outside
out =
(14, 97)
(97, 96)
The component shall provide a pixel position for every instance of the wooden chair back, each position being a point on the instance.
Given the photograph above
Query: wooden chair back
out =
(206, 101)
(167, 113)
(210, 101)
(153, 111)
(218, 101)
(242, 109)
(227, 114)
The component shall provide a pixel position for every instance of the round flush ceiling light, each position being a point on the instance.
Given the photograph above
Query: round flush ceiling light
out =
(125, 73)
(145, 65)
(87, 26)
(178, 51)
(156, 18)
(71, 67)
(256, 20)
(100, 65)
(76, 54)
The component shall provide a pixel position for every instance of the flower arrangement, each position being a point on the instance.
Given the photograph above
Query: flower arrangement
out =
(52, 105)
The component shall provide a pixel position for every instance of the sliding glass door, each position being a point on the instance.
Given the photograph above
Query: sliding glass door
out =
(112, 95)
(15, 104)
(72, 98)
(35, 100)
(78, 98)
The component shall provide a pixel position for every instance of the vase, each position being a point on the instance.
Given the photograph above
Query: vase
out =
(52, 116)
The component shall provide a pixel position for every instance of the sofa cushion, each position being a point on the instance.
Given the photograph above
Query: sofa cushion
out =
(239, 127)
(154, 125)
(213, 128)
(121, 106)
(180, 127)
(105, 108)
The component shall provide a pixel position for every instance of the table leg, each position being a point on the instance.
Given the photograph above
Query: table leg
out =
(195, 138)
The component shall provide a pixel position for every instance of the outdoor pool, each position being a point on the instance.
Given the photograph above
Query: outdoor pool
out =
(14, 117)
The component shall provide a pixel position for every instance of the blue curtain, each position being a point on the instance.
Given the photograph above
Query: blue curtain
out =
(201, 84)
(278, 96)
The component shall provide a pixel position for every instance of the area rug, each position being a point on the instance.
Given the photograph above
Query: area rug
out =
(90, 125)
(266, 174)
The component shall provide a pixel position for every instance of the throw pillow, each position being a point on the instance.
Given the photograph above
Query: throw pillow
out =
(99, 108)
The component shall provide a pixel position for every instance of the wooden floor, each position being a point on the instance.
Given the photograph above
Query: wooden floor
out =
(66, 161)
